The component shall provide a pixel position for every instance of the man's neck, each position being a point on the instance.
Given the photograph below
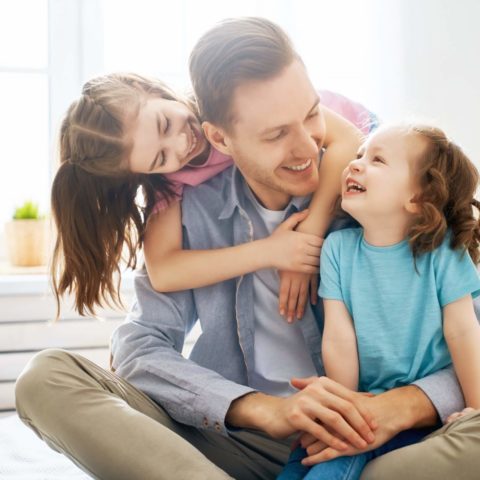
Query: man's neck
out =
(271, 200)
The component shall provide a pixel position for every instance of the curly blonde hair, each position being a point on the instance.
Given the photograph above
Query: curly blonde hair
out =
(448, 181)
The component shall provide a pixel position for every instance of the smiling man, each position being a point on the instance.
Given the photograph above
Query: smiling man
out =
(231, 409)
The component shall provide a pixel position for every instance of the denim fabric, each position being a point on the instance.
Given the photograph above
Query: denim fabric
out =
(345, 468)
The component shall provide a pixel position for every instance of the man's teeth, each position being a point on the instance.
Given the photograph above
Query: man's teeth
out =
(299, 168)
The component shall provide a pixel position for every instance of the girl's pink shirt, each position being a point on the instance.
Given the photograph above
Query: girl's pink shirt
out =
(194, 175)
(216, 162)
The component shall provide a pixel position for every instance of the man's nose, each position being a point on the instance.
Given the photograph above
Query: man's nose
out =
(307, 144)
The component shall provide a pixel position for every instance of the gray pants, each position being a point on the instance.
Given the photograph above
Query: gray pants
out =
(112, 430)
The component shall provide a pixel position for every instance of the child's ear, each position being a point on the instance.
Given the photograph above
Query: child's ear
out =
(217, 137)
(413, 205)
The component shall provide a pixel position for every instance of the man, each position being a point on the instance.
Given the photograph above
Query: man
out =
(230, 410)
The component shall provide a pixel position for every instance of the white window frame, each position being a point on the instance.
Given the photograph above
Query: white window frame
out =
(75, 53)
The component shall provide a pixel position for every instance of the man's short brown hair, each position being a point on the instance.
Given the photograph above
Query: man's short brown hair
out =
(233, 52)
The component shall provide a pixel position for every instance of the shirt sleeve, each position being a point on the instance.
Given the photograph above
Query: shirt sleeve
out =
(330, 285)
(146, 351)
(354, 112)
(443, 390)
(456, 274)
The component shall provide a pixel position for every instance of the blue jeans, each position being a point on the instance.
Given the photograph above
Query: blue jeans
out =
(345, 468)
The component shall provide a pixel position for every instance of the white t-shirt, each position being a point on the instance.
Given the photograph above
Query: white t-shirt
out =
(280, 350)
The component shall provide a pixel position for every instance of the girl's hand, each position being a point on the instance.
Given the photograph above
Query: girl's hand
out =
(294, 293)
(456, 415)
(293, 251)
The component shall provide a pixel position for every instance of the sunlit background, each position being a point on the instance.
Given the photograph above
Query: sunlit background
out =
(401, 58)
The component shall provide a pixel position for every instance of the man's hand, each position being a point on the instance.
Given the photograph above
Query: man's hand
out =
(394, 411)
(294, 290)
(321, 407)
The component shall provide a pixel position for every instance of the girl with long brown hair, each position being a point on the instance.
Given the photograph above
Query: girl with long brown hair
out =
(128, 134)
(398, 292)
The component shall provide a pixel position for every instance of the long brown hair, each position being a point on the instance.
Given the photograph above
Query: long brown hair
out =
(94, 195)
(448, 182)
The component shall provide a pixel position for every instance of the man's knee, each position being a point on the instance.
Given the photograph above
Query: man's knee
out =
(34, 383)
(450, 452)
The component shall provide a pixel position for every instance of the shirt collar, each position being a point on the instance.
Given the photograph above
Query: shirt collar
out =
(236, 197)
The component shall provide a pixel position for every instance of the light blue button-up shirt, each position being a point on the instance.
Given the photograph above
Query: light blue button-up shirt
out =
(198, 391)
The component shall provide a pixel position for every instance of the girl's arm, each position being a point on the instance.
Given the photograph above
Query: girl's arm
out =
(462, 333)
(341, 144)
(339, 345)
(170, 268)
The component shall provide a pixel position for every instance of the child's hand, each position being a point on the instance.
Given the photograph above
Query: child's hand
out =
(456, 415)
(294, 251)
(294, 293)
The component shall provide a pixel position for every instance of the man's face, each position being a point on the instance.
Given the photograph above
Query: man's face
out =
(276, 136)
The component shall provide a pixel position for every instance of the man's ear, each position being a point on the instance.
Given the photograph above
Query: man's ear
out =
(217, 137)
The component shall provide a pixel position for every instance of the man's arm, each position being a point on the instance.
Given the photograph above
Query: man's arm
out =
(146, 351)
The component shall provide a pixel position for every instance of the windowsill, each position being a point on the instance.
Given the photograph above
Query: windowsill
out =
(36, 281)
(8, 269)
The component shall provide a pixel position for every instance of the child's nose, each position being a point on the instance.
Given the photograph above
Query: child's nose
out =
(179, 144)
(356, 165)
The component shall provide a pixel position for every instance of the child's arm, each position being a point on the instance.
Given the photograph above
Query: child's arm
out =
(341, 144)
(339, 345)
(170, 268)
(462, 333)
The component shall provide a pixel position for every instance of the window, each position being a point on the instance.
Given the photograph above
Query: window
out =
(24, 100)
(374, 52)
(51, 51)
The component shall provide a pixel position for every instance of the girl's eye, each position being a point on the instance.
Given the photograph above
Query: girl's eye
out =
(313, 114)
(167, 125)
(163, 159)
(378, 160)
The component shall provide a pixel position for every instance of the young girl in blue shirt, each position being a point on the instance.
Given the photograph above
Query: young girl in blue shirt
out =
(398, 292)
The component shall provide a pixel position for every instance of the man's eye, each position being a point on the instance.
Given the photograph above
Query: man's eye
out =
(167, 125)
(378, 160)
(313, 114)
(279, 135)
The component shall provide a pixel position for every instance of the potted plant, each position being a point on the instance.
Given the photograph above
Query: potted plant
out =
(26, 236)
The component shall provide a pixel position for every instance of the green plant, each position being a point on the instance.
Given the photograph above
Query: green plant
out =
(28, 211)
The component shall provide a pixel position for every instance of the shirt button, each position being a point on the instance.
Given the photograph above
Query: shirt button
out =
(217, 426)
(205, 422)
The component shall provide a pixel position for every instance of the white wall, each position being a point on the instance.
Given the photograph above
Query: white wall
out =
(426, 64)
(402, 58)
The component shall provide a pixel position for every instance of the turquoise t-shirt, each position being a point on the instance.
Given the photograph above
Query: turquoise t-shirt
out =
(396, 310)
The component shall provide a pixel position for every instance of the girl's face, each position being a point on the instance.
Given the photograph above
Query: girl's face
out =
(378, 186)
(166, 136)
